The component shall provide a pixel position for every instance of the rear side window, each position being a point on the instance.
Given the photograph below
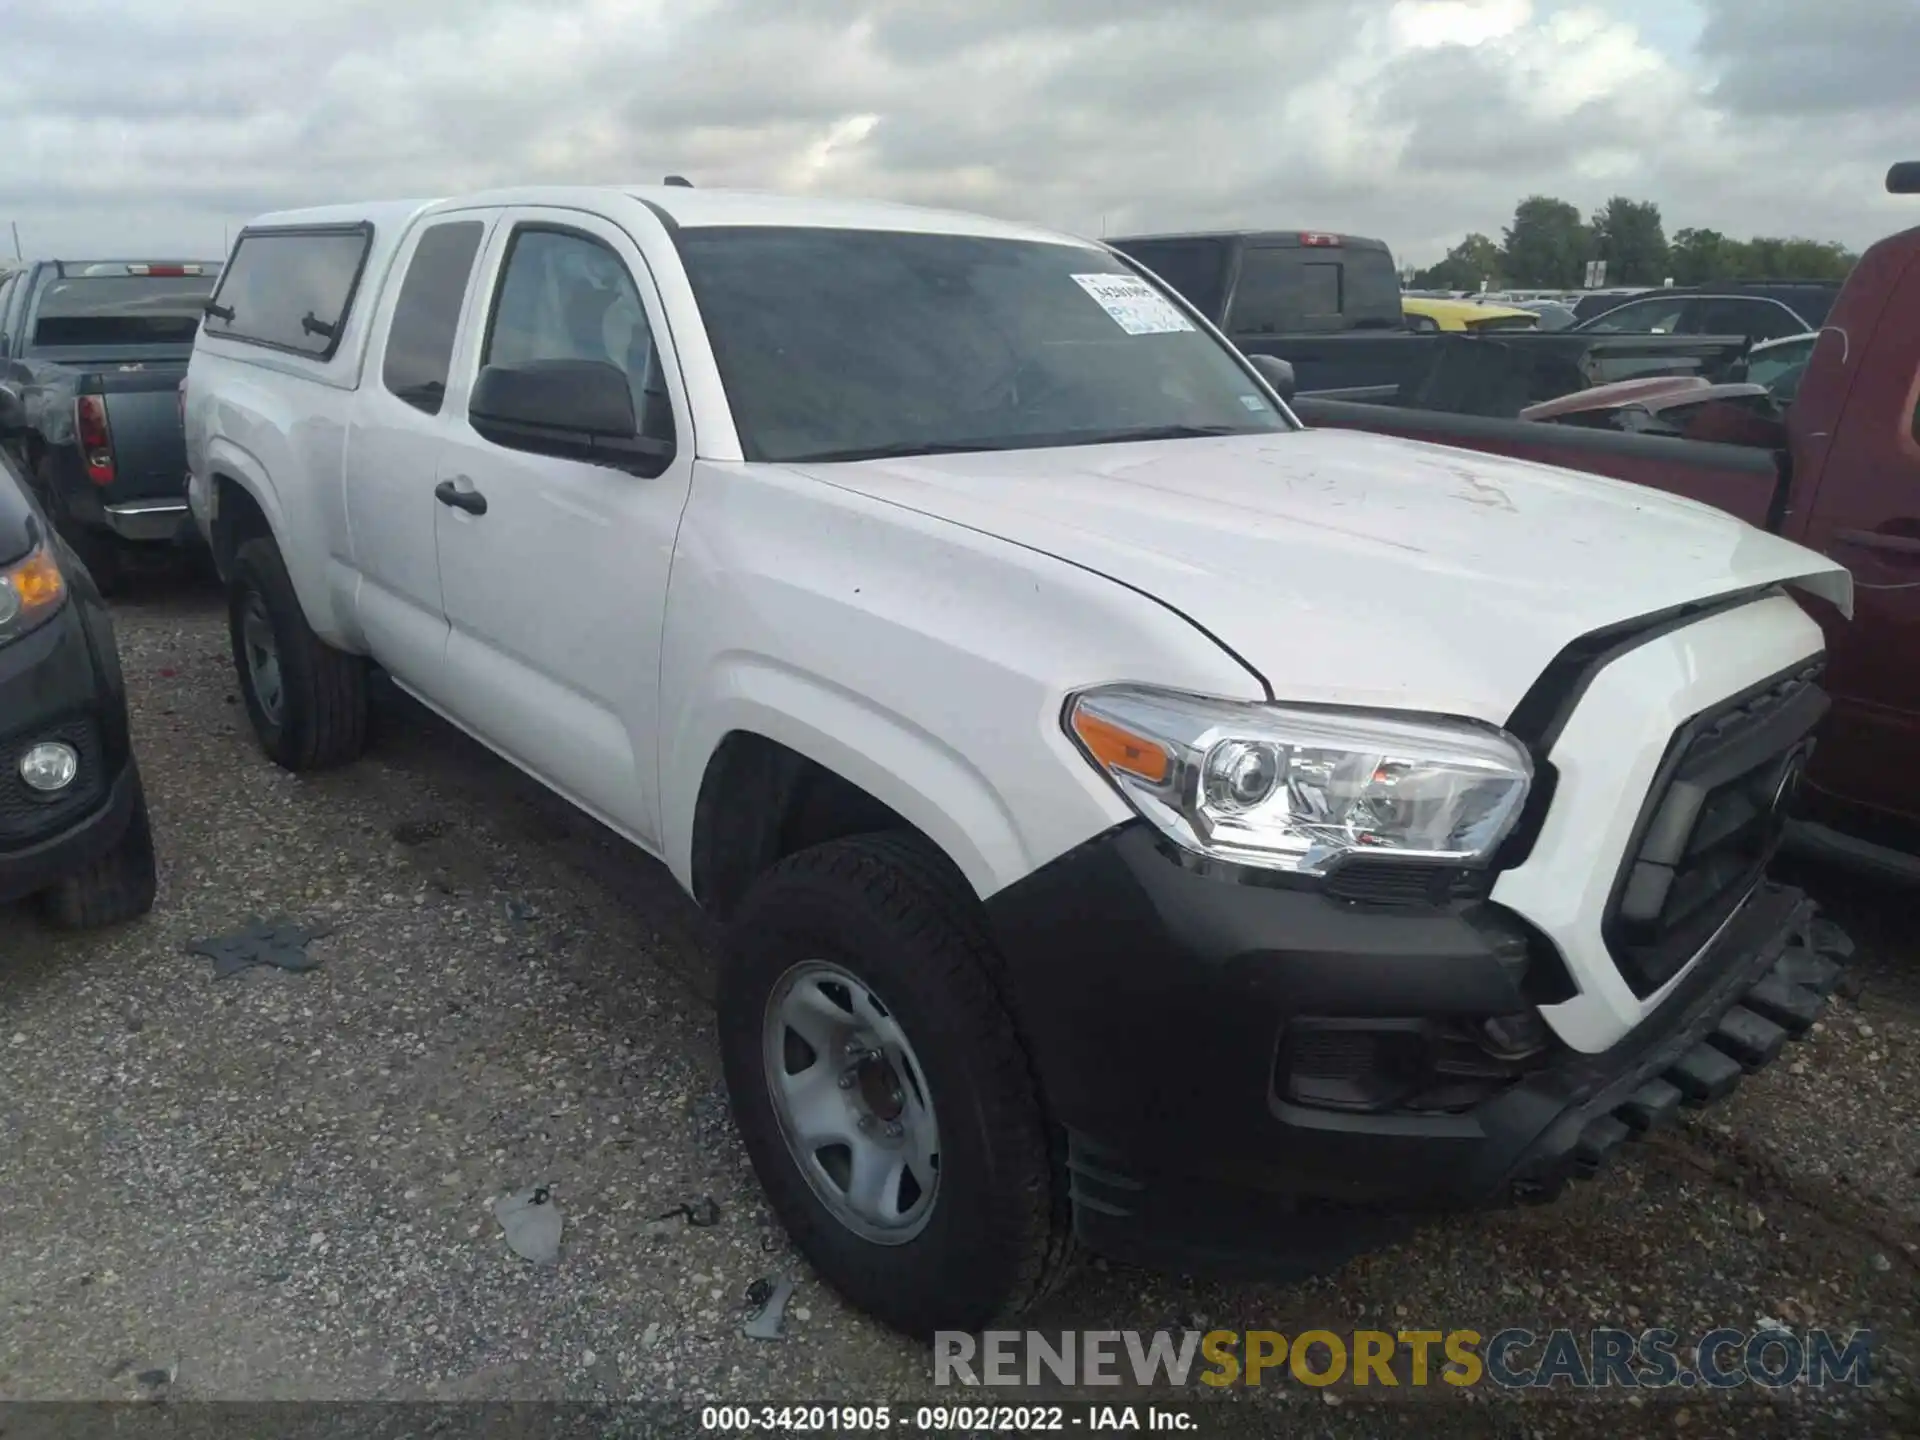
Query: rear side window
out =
(1660, 316)
(1195, 268)
(1812, 305)
(1756, 319)
(426, 317)
(291, 289)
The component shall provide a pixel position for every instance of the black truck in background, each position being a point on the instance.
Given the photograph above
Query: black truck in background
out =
(1329, 305)
(95, 350)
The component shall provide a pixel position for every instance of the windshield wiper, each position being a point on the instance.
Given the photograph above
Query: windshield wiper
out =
(902, 450)
(1151, 432)
(1051, 440)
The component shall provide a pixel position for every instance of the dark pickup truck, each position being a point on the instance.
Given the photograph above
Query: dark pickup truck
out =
(1329, 305)
(1840, 473)
(96, 351)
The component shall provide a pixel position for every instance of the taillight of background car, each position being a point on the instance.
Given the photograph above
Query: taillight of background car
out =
(96, 439)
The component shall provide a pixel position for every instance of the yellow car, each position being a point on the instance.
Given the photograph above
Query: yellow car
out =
(1425, 314)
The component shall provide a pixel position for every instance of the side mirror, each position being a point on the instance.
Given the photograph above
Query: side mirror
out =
(1904, 178)
(576, 409)
(13, 412)
(1276, 372)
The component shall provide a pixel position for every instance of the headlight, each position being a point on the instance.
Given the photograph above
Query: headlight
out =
(31, 592)
(1299, 789)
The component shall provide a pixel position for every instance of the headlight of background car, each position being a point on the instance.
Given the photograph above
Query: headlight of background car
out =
(31, 593)
(1299, 789)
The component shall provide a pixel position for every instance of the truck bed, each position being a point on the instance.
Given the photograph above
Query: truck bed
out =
(1491, 373)
(140, 385)
(143, 407)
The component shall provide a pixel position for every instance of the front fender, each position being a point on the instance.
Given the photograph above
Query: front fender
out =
(914, 773)
(923, 661)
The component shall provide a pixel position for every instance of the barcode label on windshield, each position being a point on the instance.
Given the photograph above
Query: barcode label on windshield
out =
(1136, 307)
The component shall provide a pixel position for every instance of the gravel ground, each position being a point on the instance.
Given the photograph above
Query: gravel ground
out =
(276, 1186)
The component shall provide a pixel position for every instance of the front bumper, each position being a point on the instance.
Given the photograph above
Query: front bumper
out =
(62, 682)
(1159, 998)
(72, 848)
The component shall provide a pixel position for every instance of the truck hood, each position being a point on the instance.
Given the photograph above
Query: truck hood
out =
(1357, 569)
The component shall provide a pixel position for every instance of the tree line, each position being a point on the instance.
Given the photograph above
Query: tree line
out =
(1548, 246)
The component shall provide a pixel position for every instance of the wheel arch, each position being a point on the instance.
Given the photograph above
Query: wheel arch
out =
(773, 784)
(248, 506)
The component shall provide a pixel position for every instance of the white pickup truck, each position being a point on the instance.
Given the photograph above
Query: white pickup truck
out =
(1136, 817)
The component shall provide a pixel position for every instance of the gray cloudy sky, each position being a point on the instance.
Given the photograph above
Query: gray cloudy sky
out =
(146, 126)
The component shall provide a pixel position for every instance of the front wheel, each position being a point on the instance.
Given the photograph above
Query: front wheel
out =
(307, 700)
(887, 1103)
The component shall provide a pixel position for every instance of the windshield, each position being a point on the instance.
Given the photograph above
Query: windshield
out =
(121, 310)
(854, 344)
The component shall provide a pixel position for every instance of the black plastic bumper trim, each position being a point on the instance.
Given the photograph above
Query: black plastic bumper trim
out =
(30, 870)
(1310, 1188)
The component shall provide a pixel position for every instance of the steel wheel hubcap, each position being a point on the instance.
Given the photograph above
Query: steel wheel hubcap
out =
(852, 1102)
(263, 658)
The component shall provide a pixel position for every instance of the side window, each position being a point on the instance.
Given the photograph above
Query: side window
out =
(1196, 268)
(426, 317)
(290, 289)
(1756, 319)
(1775, 322)
(568, 297)
(1642, 317)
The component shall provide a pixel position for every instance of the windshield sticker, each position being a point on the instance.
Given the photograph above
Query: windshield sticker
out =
(1253, 403)
(1136, 307)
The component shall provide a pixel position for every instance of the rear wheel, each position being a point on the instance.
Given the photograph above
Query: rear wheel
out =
(117, 887)
(307, 700)
(882, 1092)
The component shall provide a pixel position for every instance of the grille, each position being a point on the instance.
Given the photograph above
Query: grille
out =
(26, 816)
(1409, 884)
(1712, 821)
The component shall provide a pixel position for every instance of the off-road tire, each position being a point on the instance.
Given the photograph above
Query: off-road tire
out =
(323, 719)
(117, 887)
(892, 912)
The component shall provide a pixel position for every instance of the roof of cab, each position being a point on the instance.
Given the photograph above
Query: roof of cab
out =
(1354, 242)
(686, 207)
(699, 209)
(380, 212)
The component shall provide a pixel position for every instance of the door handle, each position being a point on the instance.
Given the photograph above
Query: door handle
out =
(1873, 540)
(471, 501)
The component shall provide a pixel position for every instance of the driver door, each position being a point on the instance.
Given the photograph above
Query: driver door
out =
(554, 570)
